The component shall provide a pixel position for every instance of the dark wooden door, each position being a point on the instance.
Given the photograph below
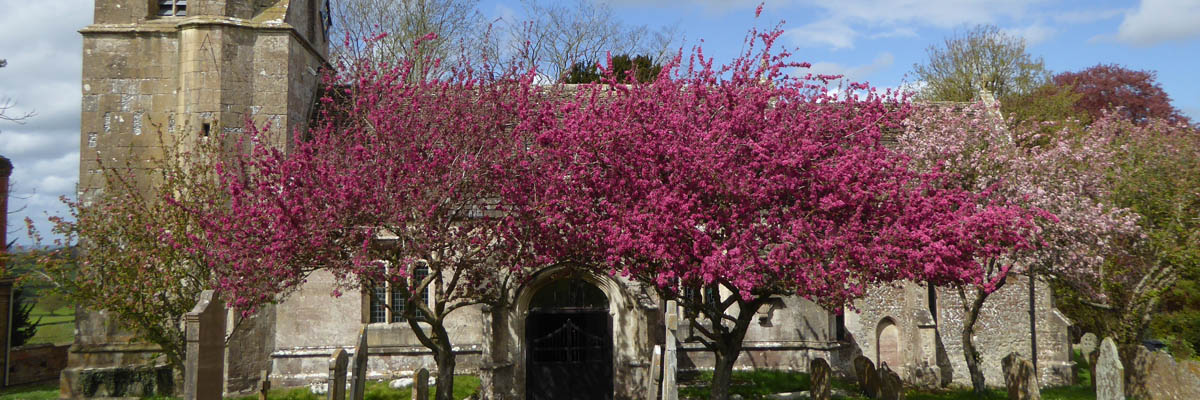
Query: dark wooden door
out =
(569, 355)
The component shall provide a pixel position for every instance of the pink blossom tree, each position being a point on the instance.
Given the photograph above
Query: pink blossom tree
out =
(1060, 173)
(401, 173)
(760, 183)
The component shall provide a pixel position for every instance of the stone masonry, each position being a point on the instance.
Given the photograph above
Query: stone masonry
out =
(151, 80)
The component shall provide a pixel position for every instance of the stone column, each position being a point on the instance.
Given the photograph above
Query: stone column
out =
(204, 369)
(671, 356)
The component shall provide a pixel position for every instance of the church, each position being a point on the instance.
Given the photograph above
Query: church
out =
(208, 65)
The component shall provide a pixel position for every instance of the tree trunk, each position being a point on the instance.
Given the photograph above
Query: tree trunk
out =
(444, 357)
(445, 375)
(968, 339)
(729, 347)
(723, 374)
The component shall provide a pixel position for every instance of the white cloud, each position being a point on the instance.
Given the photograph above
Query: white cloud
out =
(832, 33)
(42, 45)
(1032, 34)
(1085, 16)
(856, 73)
(845, 21)
(1158, 21)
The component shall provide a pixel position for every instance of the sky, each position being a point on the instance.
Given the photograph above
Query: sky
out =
(874, 41)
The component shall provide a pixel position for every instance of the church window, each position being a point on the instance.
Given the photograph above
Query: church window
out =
(710, 295)
(388, 300)
(172, 8)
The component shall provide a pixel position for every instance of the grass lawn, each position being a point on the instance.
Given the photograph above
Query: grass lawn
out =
(45, 391)
(758, 384)
(464, 386)
(56, 326)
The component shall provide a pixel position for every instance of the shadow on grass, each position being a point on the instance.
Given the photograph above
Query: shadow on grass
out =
(464, 386)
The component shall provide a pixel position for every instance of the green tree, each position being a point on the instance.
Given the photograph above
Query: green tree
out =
(134, 249)
(623, 69)
(983, 57)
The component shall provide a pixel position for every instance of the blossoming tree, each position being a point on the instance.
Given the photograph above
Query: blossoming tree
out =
(1060, 174)
(396, 184)
(760, 183)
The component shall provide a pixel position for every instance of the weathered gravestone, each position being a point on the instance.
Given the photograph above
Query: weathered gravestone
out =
(358, 384)
(868, 379)
(820, 376)
(890, 385)
(655, 374)
(1162, 378)
(1110, 374)
(670, 356)
(1019, 378)
(1087, 344)
(420, 390)
(337, 375)
(204, 368)
(264, 384)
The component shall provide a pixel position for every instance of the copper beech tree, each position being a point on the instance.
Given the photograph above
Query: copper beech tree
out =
(762, 184)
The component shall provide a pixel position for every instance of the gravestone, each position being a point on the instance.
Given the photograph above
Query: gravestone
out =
(264, 384)
(204, 368)
(1164, 378)
(1087, 344)
(670, 357)
(1110, 374)
(337, 375)
(420, 390)
(1019, 378)
(890, 385)
(820, 376)
(655, 374)
(358, 384)
(869, 380)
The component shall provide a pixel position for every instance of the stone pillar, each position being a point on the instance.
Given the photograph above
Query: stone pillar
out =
(1110, 374)
(204, 369)
(420, 388)
(671, 356)
(358, 387)
(337, 375)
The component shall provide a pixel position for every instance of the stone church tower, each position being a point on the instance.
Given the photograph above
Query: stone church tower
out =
(175, 67)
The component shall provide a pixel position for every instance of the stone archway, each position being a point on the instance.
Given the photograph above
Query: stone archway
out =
(568, 334)
(887, 344)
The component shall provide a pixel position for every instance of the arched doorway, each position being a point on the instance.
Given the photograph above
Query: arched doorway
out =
(887, 344)
(568, 332)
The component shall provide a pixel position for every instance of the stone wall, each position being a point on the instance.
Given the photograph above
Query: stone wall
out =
(931, 343)
(150, 81)
(36, 363)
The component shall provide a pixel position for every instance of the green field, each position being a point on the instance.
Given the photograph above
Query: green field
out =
(56, 326)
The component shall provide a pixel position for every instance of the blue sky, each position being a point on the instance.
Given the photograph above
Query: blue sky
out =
(868, 40)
